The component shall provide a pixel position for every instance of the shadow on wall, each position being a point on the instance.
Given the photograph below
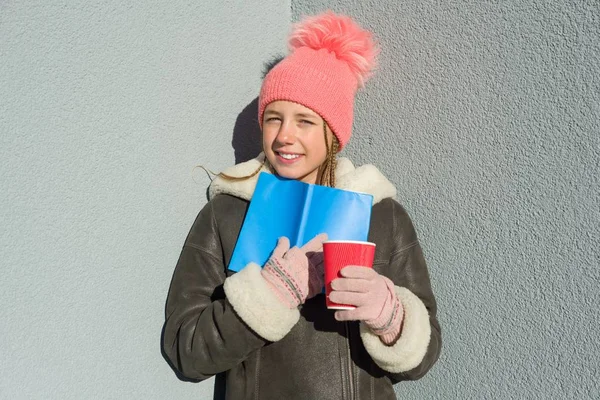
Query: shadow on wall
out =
(247, 137)
(246, 140)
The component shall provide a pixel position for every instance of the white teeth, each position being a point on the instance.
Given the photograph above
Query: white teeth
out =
(289, 156)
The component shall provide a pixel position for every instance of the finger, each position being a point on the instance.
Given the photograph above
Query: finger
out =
(351, 285)
(351, 298)
(354, 271)
(350, 315)
(283, 245)
(344, 315)
(315, 244)
(358, 314)
(297, 255)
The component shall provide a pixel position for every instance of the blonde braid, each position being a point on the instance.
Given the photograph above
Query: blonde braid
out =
(333, 162)
(329, 165)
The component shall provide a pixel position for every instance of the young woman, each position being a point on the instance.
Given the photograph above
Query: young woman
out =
(266, 328)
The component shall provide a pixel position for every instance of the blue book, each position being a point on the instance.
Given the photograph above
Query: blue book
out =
(299, 211)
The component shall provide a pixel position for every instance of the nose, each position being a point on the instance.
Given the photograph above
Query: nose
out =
(286, 134)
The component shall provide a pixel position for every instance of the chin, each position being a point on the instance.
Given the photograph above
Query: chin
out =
(288, 174)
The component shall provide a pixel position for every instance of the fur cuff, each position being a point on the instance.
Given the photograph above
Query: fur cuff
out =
(409, 350)
(257, 305)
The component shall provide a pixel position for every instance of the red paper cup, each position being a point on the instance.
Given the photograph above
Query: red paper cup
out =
(339, 254)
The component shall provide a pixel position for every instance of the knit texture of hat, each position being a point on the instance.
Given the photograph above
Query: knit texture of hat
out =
(330, 58)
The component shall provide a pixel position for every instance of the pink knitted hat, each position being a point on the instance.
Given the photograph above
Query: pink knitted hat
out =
(330, 58)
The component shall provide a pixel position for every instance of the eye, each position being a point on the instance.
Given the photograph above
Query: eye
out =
(306, 122)
(272, 119)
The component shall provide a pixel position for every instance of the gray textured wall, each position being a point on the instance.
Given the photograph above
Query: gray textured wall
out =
(486, 115)
(105, 108)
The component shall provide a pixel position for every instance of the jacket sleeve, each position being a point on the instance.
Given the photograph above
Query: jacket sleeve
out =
(203, 335)
(419, 344)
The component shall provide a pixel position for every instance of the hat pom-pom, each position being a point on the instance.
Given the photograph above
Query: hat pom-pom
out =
(342, 36)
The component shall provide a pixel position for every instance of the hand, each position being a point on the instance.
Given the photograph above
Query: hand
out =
(296, 274)
(316, 268)
(374, 297)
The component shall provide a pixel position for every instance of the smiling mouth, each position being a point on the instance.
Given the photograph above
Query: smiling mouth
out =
(288, 156)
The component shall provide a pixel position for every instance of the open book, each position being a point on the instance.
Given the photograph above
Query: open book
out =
(299, 211)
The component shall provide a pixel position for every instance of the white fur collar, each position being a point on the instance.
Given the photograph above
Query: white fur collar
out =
(364, 179)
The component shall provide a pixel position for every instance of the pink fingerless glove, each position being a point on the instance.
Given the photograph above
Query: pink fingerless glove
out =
(377, 305)
(295, 274)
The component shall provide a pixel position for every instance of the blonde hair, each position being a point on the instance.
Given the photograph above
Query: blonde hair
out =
(326, 170)
(330, 164)
(241, 178)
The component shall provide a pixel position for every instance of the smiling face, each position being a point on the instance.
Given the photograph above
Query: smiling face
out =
(293, 140)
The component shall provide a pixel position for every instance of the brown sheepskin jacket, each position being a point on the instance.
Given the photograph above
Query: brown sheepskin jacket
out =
(231, 325)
